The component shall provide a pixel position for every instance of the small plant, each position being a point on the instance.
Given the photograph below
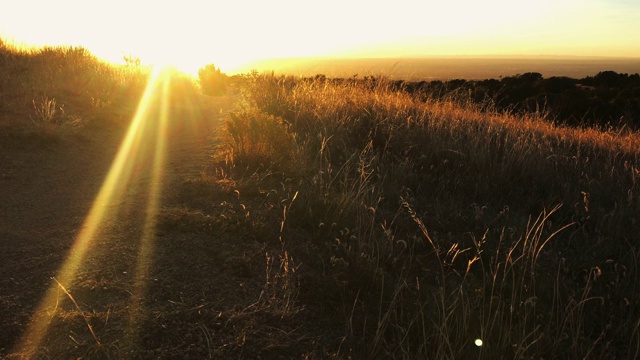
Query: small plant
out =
(47, 113)
(99, 103)
(131, 61)
(281, 287)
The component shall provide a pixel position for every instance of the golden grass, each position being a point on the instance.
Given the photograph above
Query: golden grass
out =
(69, 77)
(422, 226)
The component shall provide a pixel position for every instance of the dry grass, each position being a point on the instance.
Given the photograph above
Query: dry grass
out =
(423, 225)
(64, 85)
(258, 140)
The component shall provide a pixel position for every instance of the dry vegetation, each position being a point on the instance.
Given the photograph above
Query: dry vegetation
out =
(419, 227)
(339, 219)
(61, 84)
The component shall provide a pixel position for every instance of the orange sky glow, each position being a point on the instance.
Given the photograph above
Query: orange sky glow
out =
(231, 34)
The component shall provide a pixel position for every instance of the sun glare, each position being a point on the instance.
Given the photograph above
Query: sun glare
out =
(146, 135)
(231, 35)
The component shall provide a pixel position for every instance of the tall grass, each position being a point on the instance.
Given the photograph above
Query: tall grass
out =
(257, 140)
(424, 225)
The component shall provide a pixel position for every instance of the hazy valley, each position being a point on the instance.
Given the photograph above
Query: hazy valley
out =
(470, 68)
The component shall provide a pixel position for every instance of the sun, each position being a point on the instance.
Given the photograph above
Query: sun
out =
(188, 61)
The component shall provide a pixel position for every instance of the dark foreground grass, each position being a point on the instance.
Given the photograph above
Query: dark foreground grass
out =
(418, 227)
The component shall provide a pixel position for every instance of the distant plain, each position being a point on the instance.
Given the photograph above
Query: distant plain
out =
(442, 68)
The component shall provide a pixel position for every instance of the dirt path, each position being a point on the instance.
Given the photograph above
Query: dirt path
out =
(138, 289)
(46, 191)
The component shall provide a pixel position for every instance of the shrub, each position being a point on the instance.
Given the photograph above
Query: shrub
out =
(255, 139)
(212, 80)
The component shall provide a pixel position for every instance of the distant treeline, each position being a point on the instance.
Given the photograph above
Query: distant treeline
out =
(606, 99)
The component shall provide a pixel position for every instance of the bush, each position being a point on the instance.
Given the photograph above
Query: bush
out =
(255, 139)
(212, 80)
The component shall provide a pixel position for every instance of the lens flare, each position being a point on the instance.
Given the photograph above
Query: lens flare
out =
(106, 205)
(146, 247)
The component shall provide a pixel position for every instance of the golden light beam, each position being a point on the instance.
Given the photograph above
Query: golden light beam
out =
(109, 195)
(144, 260)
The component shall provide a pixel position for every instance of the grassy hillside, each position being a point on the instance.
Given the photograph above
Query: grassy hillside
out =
(41, 81)
(418, 227)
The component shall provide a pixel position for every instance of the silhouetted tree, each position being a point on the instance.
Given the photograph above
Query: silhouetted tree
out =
(606, 99)
(556, 85)
(610, 79)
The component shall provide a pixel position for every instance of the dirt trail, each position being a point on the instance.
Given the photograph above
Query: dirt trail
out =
(131, 277)
(46, 191)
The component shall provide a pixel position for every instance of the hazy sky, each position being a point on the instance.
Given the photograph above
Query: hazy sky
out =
(191, 33)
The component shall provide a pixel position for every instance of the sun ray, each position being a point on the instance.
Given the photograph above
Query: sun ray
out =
(104, 206)
(144, 259)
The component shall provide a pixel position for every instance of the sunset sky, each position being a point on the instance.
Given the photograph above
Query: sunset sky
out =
(190, 33)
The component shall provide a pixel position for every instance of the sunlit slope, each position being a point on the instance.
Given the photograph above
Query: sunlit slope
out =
(436, 224)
